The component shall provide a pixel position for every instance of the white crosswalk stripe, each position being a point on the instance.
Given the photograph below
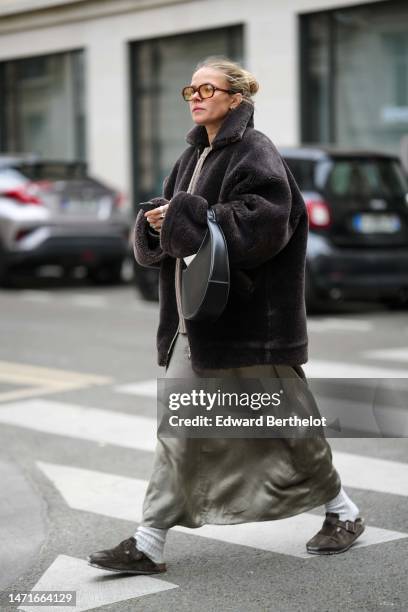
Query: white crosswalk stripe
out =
(89, 300)
(71, 420)
(372, 474)
(334, 324)
(286, 536)
(71, 574)
(98, 492)
(122, 497)
(139, 433)
(96, 300)
(41, 297)
(319, 368)
(315, 368)
(390, 354)
(375, 410)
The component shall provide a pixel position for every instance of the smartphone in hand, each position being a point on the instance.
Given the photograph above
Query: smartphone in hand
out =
(146, 206)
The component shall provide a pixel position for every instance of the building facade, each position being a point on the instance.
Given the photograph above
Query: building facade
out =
(100, 80)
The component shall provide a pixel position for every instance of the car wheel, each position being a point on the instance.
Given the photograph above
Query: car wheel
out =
(5, 280)
(150, 294)
(147, 282)
(314, 302)
(106, 275)
(398, 303)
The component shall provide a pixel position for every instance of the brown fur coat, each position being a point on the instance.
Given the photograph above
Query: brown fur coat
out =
(264, 219)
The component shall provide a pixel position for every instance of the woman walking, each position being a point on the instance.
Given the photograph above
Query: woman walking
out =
(236, 170)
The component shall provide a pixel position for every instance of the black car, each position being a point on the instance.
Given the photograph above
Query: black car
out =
(357, 203)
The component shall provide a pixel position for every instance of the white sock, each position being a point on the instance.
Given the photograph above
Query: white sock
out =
(343, 506)
(151, 541)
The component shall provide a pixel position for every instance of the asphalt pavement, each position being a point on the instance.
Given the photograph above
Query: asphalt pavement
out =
(77, 415)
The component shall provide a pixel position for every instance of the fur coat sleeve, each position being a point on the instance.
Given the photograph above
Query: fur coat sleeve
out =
(255, 213)
(146, 242)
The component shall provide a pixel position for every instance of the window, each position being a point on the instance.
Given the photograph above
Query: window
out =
(366, 178)
(355, 76)
(43, 106)
(303, 171)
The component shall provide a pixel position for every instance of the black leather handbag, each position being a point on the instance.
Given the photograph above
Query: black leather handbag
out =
(205, 283)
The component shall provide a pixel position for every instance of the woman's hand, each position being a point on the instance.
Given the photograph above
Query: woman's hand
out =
(155, 217)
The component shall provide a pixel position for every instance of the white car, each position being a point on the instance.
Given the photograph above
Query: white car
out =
(54, 213)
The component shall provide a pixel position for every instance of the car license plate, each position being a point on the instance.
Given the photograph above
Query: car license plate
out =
(79, 206)
(376, 224)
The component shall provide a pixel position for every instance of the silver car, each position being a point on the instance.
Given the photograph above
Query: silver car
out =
(54, 213)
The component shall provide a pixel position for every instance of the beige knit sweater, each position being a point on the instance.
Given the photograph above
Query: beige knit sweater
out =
(190, 189)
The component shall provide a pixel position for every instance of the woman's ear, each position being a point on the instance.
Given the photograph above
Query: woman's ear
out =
(237, 99)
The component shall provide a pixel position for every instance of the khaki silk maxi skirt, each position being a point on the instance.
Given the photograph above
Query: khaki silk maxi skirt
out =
(197, 481)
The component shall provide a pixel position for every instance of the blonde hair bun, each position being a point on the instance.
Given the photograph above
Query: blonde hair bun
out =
(240, 80)
(253, 84)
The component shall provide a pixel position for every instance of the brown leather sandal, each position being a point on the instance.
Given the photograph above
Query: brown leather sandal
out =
(335, 536)
(125, 558)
